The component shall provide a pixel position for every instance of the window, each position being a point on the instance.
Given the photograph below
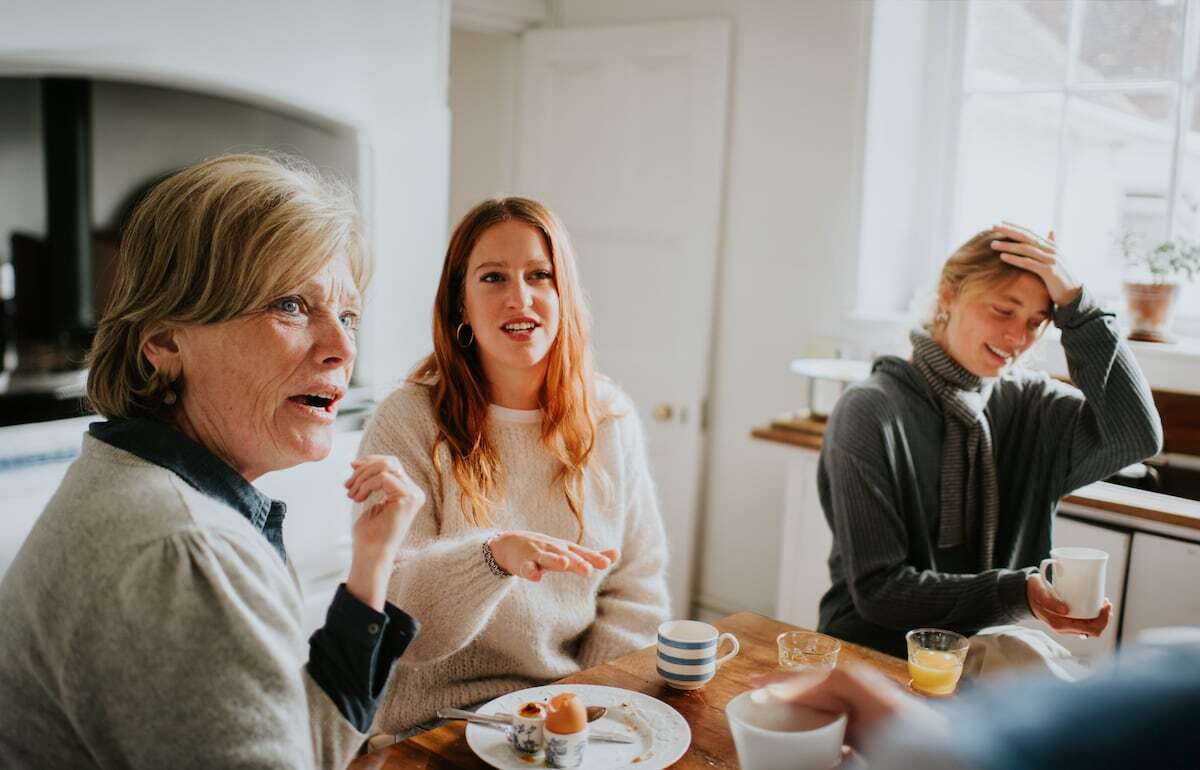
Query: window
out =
(1077, 116)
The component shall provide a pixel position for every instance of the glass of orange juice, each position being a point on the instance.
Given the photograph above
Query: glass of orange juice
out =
(935, 660)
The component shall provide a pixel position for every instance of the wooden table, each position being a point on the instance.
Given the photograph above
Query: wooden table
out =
(704, 709)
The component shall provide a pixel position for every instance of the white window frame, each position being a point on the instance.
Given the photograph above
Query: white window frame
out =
(872, 329)
(1183, 83)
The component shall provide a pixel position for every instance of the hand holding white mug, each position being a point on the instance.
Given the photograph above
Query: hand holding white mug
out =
(531, 554)
(1052, 611)
(381, 528)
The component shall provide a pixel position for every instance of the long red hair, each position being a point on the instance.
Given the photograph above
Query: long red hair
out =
(460, 388)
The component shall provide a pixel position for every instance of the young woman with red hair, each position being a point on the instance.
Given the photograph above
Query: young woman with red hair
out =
(540, 550)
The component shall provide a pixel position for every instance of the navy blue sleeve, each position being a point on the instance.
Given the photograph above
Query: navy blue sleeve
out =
(351, 656)
(1140, 712)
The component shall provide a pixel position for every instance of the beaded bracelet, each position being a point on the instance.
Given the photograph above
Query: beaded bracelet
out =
(490, 559)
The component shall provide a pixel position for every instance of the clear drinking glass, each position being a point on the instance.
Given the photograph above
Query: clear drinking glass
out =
(935, 660)
(807, 651)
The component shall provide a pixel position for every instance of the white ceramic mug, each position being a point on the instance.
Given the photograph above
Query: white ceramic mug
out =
(687, 653)
(1079, 575)
(773, 735)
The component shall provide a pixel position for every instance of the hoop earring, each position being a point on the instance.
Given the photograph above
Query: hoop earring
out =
(458, 335)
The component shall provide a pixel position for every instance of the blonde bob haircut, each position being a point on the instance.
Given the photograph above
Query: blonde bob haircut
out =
(460, 387)
(207, 244)
(973, 267)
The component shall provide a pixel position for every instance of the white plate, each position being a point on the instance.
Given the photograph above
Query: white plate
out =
(659, 742)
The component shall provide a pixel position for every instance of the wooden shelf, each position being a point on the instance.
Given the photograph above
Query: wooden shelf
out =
(785, 436)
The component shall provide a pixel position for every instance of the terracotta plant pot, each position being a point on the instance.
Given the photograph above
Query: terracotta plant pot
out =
(1151, 306)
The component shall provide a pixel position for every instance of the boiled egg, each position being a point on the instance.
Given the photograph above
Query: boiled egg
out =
(567, 714)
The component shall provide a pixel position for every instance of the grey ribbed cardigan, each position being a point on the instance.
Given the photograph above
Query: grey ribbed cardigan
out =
(880, 471)
(143, 624)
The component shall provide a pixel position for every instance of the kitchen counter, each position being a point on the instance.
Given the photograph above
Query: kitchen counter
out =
(1150, 507)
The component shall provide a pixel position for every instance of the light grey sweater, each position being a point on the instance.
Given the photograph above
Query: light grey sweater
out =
(217, 681)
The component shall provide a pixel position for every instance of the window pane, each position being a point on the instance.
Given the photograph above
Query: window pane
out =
(1008, 156)
(1126, 40)
(1187, 207)
(1118, 174)
(1017, 42)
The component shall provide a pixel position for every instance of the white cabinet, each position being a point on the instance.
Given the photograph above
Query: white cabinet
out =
(33, 460)
(1164, 584)
(804, 545)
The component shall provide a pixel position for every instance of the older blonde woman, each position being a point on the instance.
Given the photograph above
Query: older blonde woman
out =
(940, 475)
(540, 550)
(151, 618)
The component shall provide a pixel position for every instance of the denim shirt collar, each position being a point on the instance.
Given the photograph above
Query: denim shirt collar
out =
(159, 443)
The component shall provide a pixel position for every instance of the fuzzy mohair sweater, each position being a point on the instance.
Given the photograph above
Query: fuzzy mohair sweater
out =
(485, 635)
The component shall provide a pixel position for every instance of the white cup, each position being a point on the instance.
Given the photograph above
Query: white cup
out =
(1079, 575)
(773, 735)
(687, 653)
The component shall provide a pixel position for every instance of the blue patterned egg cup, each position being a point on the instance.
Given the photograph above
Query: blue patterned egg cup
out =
(525, 739)
(526, 735)
(687, 653)
(565, 750)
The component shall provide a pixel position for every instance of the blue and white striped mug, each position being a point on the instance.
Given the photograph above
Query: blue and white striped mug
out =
(687, 652)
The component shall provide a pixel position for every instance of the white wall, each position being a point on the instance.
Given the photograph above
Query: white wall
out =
(484, 68)
(790, 252)
(790, 245)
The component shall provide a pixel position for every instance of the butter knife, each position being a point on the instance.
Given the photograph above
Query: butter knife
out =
(505, 720)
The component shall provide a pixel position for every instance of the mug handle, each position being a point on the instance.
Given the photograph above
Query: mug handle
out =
(736, 648)
(1042, 571)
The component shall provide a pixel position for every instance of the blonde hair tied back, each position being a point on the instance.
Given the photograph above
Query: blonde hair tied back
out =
(974, 266)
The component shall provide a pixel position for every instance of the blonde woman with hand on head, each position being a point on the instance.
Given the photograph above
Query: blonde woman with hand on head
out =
(940, 475)
(540, 549)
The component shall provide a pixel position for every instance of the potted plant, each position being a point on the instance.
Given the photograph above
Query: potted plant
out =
(1153, 285)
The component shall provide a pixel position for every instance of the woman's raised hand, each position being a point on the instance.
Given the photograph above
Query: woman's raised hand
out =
(1039, 256)
(1051, 610)
(531, 554)
(394, 501)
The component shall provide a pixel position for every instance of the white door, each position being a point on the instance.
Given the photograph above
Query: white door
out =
(621, 131)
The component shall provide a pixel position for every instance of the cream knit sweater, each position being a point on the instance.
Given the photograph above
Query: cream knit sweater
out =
(484, 635)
